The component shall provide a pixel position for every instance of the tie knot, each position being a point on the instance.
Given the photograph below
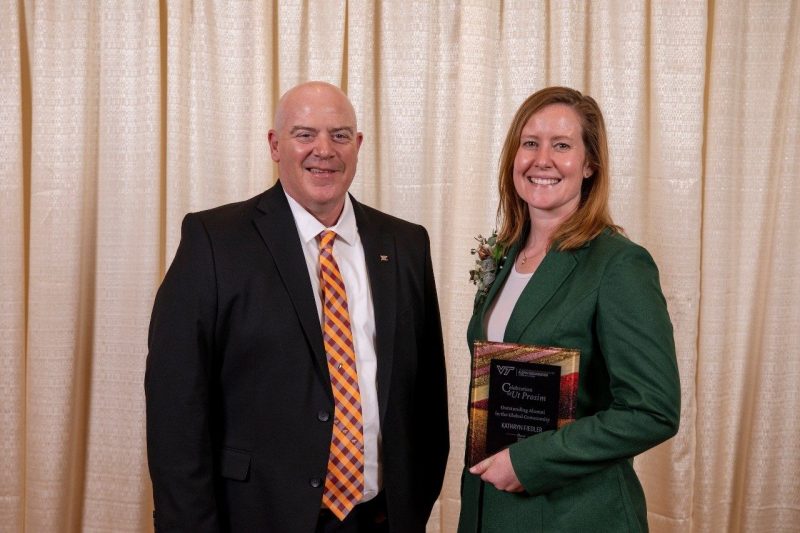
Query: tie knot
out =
(326, 239)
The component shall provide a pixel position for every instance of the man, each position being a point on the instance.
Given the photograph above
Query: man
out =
(295, 380)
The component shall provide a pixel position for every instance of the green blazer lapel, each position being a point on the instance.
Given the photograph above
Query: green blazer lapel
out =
(507, 263)
(549, 276)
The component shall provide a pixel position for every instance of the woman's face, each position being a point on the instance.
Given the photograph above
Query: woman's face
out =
(550, 164)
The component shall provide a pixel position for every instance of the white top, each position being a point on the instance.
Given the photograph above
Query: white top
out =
(349, 254)
(500, 311)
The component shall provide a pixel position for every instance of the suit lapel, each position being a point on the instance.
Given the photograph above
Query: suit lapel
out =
(502, 274)
(549, 276)
(380, 255)
(279, 232)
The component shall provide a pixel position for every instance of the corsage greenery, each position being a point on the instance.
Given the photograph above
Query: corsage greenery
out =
(490, 256)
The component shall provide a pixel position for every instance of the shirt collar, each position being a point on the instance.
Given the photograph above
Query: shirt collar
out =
(309, 227)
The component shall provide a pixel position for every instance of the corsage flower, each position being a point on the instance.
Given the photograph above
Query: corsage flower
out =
(490, 256)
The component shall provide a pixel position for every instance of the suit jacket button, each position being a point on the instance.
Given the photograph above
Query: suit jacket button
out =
(323, 416)
(315, 482)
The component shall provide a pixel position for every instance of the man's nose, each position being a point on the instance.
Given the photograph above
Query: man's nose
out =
(323, 147)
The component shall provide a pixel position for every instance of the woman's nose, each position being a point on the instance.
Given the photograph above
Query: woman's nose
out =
(542, 158)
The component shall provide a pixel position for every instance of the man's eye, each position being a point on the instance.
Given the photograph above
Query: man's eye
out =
(341, 137)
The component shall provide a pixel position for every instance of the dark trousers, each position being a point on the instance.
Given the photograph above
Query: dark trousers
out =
(367, 517)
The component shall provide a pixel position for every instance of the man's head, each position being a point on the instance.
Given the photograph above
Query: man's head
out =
(315, 143)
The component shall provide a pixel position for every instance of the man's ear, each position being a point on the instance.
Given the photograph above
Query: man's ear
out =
(272, 140)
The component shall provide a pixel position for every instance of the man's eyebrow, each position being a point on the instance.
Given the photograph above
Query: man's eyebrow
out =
(295, 129)
(304, 128)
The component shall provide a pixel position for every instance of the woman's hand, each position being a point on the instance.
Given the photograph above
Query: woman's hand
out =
(498, 471)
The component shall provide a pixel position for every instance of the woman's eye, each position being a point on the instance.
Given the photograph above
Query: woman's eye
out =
(562, 146)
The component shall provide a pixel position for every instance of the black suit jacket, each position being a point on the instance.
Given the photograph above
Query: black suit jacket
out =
(239, 402)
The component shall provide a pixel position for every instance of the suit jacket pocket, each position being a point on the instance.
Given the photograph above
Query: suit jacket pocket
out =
(595, 503)
(234, 464)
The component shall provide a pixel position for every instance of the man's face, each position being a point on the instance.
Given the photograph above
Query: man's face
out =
(315, 144)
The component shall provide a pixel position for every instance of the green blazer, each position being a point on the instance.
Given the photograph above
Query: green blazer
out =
(604, 299)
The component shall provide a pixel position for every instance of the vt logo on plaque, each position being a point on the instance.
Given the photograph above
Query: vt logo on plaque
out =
(504, 370)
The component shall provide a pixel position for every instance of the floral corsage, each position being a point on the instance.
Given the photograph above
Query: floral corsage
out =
(490, 257)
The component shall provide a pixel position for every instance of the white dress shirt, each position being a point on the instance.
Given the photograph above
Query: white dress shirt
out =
(349, 254)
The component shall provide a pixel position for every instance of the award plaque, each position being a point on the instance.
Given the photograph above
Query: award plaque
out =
(518, 390)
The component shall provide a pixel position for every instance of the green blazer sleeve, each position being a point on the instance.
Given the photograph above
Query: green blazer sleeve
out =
(632, 333)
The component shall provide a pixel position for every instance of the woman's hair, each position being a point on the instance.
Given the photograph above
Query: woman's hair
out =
(592, 215)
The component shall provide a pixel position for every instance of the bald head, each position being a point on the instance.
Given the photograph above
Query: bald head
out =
(311, 91)
(315, 143)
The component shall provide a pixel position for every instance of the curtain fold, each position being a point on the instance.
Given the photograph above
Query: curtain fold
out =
(64, 46)
(119, 119)
(13, 275)
(747, 461)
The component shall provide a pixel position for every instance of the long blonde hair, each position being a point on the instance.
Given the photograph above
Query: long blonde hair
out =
(592, 215)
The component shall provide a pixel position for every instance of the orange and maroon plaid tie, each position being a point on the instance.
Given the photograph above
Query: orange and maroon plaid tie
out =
(344, 483)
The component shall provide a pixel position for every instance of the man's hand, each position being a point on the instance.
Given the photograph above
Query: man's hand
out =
(498, 471)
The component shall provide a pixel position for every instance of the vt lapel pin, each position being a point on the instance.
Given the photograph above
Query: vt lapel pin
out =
(384, 258)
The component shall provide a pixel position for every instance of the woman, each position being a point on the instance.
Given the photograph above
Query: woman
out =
(570, 278)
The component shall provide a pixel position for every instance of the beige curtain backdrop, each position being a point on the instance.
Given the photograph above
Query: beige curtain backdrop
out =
(118, 118)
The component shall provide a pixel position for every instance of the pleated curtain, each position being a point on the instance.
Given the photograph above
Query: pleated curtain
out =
(119, 118)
